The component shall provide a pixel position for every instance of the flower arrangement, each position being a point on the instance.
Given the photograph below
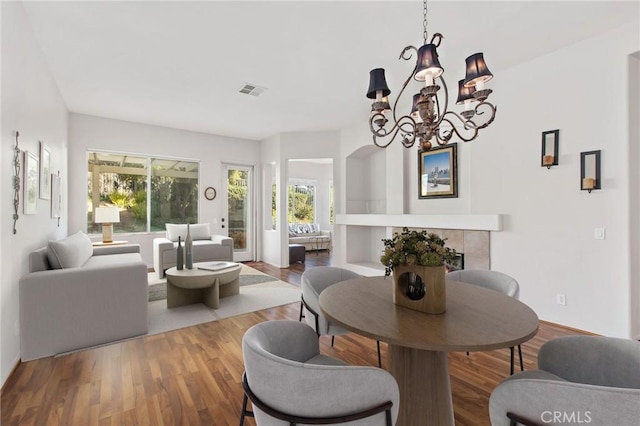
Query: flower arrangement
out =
(415, 248)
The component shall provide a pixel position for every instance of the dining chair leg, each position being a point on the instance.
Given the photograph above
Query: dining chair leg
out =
(245, 412)
(520, 354)
(511, 349)
(333, 339)
(301, 311)
(379, 357)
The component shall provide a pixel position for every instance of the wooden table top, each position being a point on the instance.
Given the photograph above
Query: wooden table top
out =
(477, 319)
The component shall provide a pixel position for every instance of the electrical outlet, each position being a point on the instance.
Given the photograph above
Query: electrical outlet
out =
(561, 299)
(599, 233)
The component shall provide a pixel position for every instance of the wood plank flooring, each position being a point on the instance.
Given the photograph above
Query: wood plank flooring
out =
(192, 376)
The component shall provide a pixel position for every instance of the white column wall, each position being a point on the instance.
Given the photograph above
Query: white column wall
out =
(32, 105)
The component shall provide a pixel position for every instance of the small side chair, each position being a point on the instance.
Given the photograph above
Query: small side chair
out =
(313, 282)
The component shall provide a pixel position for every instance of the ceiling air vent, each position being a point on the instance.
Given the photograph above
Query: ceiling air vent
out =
(252, 89)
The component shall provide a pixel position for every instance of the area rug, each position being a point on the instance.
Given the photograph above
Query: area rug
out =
(257, 291)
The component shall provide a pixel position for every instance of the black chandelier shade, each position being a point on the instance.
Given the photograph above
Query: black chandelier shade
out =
(377, 82)
(464, 93)
(477, 70)
(428, 63)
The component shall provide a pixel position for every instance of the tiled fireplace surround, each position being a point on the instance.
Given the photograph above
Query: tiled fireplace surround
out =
(474, 245)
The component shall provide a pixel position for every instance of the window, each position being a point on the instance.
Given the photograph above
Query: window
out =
(301, 203)
(122, 180)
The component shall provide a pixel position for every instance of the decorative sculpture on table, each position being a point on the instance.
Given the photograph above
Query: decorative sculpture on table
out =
(188, 249)
(179, 255)
(417, 261)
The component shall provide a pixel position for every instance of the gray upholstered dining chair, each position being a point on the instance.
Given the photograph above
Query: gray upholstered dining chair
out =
(580, 379)
(289, 382)
(492, 280)
(313, 282)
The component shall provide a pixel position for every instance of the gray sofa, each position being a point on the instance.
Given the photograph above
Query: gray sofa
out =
(580, 379)
(206, 247)
(76, 296)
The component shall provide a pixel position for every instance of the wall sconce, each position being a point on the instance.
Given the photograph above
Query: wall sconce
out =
(590, 170)
(550, 148)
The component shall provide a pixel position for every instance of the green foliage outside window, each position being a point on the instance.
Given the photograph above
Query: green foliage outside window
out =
(301, 203)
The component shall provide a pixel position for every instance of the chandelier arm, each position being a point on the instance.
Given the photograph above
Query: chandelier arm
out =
(409, 135)
(449, 132)
(395, 104)
(442, 113)
(492, 109)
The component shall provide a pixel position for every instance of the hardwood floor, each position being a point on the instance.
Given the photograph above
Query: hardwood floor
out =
(192, 376)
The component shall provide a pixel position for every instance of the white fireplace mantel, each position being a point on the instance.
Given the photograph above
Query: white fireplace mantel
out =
(479, 222)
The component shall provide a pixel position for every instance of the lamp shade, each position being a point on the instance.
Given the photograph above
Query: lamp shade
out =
(377, 82)
(464, 93)
(428, 63)
(106, 215)
(477, 71)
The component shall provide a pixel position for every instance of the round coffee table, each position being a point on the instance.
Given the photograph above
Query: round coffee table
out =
(188, 286)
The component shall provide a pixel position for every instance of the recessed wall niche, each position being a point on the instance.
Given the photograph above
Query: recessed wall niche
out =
(366, 184)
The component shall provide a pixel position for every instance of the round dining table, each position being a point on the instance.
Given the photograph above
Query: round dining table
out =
(476, 319)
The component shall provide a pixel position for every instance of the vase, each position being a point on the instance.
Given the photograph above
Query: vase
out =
(188, 249)
(421, 288)
(179, 256)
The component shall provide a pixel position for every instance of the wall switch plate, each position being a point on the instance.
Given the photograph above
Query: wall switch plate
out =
(599, 233)
(561, 299)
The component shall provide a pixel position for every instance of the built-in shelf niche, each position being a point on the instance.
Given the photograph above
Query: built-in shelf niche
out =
(366, 181)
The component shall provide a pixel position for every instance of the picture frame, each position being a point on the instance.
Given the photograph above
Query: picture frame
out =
(56, 196)
(45, 171)
(549, 155)
(31, 178)
(438, 172)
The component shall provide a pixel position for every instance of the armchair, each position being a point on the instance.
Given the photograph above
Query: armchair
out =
(206, 247)
(580, 379)
(289, 382)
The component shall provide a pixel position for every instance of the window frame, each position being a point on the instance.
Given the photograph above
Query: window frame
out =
(149, 158)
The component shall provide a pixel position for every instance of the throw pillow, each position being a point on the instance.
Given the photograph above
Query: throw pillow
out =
(71, 252)
(198, 231)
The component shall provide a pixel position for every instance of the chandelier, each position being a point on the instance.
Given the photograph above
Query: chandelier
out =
(430, 119)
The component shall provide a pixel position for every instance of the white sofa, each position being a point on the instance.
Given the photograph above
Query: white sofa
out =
(310, 236)
(76, 295)
(206, 247)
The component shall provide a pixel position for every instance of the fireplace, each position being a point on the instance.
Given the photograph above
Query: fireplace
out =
(457, 264)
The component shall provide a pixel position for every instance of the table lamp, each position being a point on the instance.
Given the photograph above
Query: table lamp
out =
(107, 216)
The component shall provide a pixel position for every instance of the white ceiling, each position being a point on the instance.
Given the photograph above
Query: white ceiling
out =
(181, 64)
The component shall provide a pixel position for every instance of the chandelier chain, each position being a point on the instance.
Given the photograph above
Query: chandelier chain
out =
(424, 21)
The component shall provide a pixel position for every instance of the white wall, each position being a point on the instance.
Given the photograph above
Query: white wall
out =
(94, 133)
(634, 191)
(31, 104)
(547, 243)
